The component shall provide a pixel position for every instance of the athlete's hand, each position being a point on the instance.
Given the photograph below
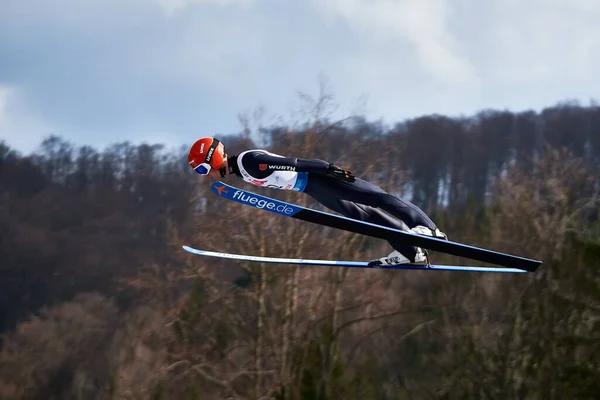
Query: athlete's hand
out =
(340, 173)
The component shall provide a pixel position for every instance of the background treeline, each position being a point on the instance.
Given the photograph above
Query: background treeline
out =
(98, 301)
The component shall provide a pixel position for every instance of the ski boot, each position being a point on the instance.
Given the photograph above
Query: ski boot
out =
(422, 230)
(397, 258)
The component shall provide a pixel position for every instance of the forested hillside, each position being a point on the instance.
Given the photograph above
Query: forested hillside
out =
(98, 301)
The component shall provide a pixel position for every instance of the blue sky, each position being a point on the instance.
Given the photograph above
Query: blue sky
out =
(170, 71)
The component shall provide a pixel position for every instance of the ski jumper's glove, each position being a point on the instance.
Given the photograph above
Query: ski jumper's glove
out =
(339, 173)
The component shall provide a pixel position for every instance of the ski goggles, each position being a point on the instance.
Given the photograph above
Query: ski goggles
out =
(205, 167)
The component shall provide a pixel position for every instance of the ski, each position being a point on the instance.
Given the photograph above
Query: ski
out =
(279, 207)
(351, 264)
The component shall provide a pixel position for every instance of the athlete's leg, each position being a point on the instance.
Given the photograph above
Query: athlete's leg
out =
(324, 194)
(363, 192)
(367, 193)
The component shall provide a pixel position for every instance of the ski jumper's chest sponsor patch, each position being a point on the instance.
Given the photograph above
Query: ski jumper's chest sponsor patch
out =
(272, 175)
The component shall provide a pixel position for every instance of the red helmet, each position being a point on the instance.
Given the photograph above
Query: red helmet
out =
(206, 153)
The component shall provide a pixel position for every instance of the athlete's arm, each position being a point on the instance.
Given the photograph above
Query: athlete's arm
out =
(274, 163)
(264, 161)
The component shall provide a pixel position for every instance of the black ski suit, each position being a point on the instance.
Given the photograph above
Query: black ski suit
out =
(339, 191)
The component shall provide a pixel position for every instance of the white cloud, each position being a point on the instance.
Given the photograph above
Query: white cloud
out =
(456, 57)
(5, 92)
(170, 7)
(423, 23)
(19, 126)
(540, 41)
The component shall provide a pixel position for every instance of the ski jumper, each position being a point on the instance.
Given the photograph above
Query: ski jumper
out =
(359, 200)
